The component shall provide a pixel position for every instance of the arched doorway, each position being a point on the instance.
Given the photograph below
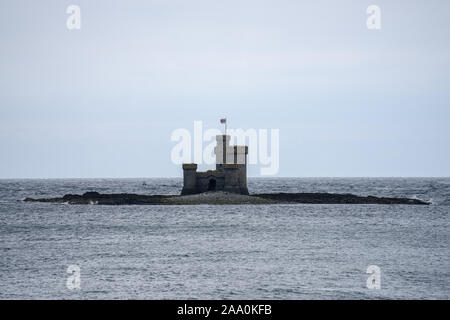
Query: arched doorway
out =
(212, 185)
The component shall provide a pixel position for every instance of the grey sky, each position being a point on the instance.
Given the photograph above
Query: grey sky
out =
(103, 101)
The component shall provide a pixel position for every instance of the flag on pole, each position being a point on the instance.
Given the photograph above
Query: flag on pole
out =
(224, 121)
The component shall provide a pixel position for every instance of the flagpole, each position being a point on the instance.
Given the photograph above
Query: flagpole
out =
(224, 121)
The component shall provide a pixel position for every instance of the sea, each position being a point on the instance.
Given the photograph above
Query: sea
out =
(301, 251)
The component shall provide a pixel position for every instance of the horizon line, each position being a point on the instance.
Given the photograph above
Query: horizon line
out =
(251, 177)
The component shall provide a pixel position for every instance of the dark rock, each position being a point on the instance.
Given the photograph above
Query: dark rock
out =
(312, 198)
(334, 198)
(91, 194)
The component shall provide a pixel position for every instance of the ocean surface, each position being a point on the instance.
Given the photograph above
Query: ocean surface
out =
(225, 252)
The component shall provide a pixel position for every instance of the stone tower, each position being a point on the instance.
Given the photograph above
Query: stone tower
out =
(230, 174)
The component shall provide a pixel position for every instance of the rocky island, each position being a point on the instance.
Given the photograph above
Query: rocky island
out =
(224, 198)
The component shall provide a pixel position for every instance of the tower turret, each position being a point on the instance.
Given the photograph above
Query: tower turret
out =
(189, 178)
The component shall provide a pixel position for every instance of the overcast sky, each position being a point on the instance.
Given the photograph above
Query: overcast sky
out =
(103, 101)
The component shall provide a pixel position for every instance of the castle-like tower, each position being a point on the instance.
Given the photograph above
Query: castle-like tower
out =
(230, 174)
